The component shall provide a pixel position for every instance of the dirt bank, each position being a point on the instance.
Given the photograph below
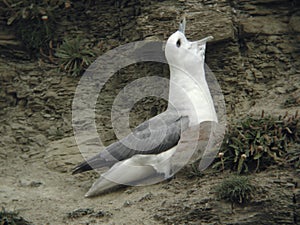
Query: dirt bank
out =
(255, 57)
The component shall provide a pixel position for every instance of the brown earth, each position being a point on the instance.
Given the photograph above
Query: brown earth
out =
(255, 57)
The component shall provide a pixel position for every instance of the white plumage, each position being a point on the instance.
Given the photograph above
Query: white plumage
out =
(190, 103)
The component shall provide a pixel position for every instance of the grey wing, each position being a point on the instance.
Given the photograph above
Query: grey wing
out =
(154, 136)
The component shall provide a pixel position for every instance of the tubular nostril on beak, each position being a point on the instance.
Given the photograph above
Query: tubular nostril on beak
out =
(182, 26)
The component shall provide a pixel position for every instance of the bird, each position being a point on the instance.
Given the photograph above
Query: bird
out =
(147, 155)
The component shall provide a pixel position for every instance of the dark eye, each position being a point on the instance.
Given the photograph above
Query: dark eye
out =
(178, 43)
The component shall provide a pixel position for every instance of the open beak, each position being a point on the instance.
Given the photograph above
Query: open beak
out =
(199, 46)
(204, 40)
(182, 25)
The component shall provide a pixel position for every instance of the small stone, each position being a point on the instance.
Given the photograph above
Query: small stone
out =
(129, 191)
(290, 185)
(258, 74)
(273, 49)
(47, 115)
(249, 75)
(280, 90)
(29, 183)
(148, 196)
(35, 183)
(127, 203)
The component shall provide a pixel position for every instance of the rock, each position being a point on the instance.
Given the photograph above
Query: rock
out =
(294, 22)
(39, 139)
(257, 74)
(273, 49)
(263, 25)
(50, 94)
(146, 197)
(286, 47)
(280, 90)
(47, 115)
(249, 75)
(127, 203)
(29, 183)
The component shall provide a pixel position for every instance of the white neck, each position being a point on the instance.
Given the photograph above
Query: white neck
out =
(190, 95)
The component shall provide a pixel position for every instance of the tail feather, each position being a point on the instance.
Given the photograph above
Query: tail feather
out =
(82, 167)
(93, 163)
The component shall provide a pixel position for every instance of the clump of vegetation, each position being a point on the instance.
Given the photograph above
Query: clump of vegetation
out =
(88, 211)
(293, 157)
(73, 56)
(253, 144)
(291, 101)
(11, 218)
(33, 21)
(80, 212)
(236, 189)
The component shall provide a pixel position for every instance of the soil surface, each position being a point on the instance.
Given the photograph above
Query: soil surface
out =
(255, 57)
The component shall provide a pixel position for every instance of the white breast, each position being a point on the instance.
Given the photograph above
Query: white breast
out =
(191, 97)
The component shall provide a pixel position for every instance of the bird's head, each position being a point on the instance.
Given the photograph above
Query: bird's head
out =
(179, 51)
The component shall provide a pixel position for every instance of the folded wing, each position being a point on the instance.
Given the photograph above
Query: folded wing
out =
(154, 136)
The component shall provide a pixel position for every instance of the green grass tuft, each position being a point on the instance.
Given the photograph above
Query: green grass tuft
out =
(236, 189)
(74, 57)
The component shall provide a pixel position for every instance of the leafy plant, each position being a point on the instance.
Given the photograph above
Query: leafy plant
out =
(236, 189)
(33, 21)
(293, 157)
(252, 144)
(193, 170)
(12, 218)
(73, 57)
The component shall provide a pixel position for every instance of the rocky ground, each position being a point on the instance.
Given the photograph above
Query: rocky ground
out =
(255, 57)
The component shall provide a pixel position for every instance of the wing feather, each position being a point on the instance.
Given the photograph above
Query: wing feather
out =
(154, 136)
